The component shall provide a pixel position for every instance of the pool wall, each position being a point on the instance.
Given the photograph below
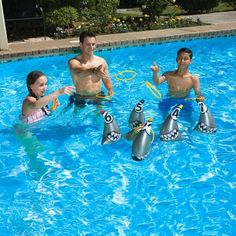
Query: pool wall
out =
(31, 48)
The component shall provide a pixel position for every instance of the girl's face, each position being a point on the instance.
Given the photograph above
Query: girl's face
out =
(40, 86)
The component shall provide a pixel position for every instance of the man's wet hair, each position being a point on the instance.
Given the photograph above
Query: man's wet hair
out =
(186, 50)
(85, 34)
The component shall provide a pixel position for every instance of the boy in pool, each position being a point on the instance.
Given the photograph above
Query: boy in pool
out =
(180, 82)
(34, 107)
(88, 71)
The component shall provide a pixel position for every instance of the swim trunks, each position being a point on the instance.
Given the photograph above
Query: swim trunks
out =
(82, 101)
(167, 104)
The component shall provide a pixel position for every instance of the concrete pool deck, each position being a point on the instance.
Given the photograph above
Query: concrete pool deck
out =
(220, 24)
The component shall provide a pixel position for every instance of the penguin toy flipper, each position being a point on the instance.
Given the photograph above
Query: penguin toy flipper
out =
(131, 135)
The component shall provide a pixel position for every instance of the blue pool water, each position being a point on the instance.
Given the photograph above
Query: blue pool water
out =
(57, 179)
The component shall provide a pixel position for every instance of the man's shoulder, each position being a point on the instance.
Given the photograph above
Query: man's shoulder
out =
(194, 77)
(98, 58)
(74, 60)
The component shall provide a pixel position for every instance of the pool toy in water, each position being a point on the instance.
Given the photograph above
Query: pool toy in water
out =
(142, 143)
(132, 72)
(137, 117)
(169, 129)
(111, 131)
(54, 104)
(155, 92)
(136, 120)
(206, 122)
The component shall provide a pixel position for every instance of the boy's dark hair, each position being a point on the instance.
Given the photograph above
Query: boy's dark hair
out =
(85, 34)
(187, 50)
(31, 79)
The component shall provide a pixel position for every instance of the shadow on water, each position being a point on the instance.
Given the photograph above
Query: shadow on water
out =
(36, 138)
(33, 147)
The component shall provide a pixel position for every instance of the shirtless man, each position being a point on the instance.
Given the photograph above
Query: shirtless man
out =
(88, 70)
(180, 81)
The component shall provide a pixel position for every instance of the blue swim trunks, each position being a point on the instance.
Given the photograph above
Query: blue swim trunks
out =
(168, 104)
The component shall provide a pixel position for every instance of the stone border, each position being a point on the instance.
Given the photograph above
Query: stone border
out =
(165, 39)
(55, 47)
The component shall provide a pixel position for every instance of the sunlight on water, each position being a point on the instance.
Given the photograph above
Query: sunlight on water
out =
(56, 176)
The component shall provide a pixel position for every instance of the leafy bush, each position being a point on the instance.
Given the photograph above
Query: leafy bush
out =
(196, 6)
(99, 13)
(153, 7)
(128, 24)
(63, 17)
(99, 16)
(232, 3)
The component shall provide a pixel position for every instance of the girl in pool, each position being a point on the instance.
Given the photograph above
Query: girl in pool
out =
(34, 107)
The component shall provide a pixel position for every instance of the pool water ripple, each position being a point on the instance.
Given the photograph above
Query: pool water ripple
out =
(57, 179)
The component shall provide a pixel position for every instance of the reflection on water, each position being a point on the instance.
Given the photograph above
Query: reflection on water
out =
(57, 177)
(32, 146)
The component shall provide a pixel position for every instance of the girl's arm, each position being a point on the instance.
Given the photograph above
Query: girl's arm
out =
(31, 103)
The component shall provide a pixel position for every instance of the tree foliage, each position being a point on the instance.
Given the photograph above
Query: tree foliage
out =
(63, 17)
(153, 7)
(99, 12)
(197, 6)
(232, 3)
(61, 13)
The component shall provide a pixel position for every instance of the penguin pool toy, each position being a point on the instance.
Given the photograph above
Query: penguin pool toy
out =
(111, 131)
(142, 142)
(136, 120)
(169, 129)
(206, 123)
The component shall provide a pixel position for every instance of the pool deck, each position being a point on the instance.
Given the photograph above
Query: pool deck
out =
(219, 24)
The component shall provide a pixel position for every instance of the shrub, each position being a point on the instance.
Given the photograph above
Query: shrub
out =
(63, 17)
(232, 3)
(143, 23)
(196, 6)
(99, 13)
(153, 7)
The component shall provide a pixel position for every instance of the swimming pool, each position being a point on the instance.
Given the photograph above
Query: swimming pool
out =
(62, 181)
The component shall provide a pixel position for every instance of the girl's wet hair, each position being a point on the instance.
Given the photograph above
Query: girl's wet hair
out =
(85, 34)
(32, 78)
(186, 50)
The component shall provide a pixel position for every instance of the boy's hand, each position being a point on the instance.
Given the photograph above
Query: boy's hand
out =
(155, 67)
(200, 98)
